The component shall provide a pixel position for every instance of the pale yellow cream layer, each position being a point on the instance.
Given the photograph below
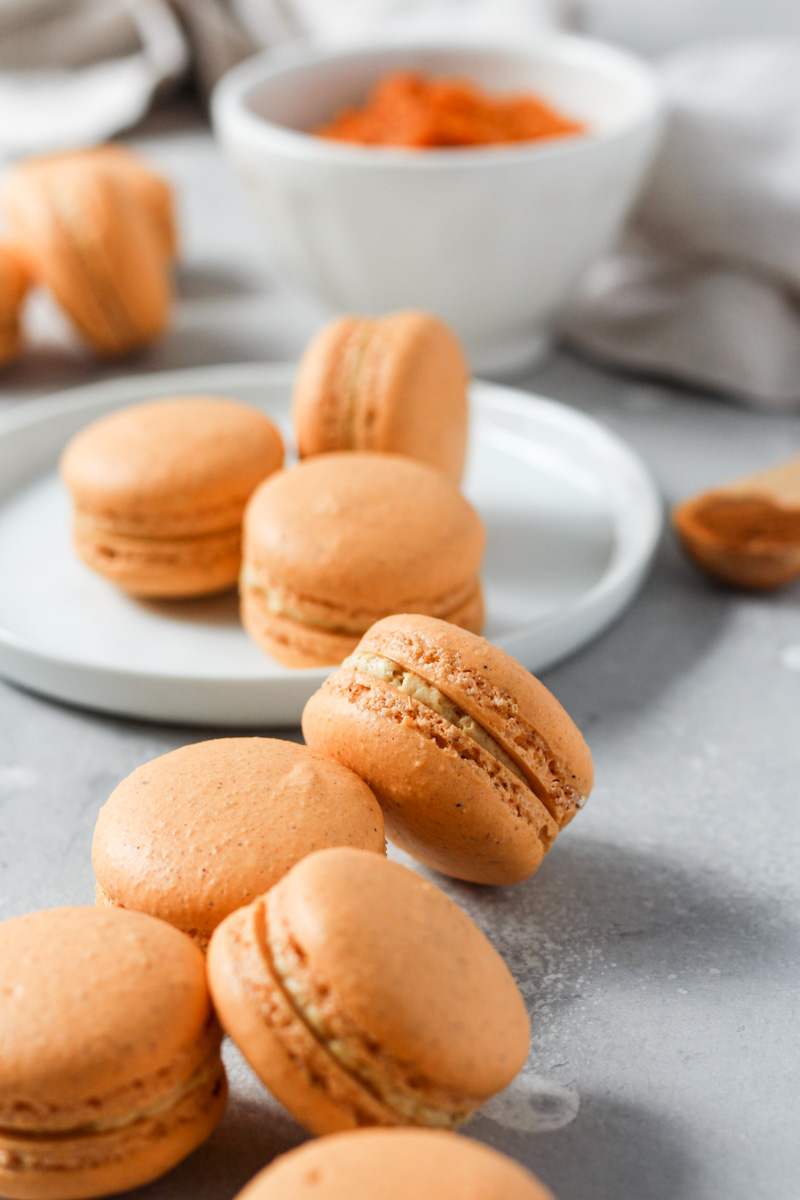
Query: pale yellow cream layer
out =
(204, 1074)
(408, 1107)
(425, 693)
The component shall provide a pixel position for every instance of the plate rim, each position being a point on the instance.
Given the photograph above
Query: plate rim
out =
(628, 560)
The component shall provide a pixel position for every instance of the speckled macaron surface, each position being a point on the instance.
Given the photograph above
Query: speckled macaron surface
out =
(394, 384)
(475, 763)
(394, 1164)
(341, 540)
(362, 995)
(110, 1070)
(199, 832)
(159, 489)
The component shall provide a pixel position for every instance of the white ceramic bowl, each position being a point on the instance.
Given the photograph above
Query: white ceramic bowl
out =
(492, 239)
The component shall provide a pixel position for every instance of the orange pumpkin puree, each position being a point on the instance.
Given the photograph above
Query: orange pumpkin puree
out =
(405, 109)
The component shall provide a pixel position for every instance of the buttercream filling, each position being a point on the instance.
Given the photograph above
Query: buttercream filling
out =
(207, 1072)
(278, 603)
(406, 1106)
(425, 693)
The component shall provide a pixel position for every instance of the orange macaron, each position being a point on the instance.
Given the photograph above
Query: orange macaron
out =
(395, 384)
(197, 833)
(394, 1164)
(361, 995)
(475, 763)
(14, 283)
(110, 1069)
(159, 490)
(88, 237)
(341, 540)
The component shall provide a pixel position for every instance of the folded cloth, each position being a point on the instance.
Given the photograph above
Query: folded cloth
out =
(705, 287)
(74, 72)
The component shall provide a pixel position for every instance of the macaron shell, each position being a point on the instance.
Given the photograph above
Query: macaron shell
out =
(173, 467)
(102, 1164)
(397, 966)
(445, 800)
(417, 398)
(160, 568)
(401, 1164)
(94, 247)
(204, 830)
(396, 384)
(501, 695)
(256, 1013)
(147, 188)
(14, 281)
(370, 532)
(101, 1011)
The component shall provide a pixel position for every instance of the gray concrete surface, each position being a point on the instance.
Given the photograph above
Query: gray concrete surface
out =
(658, 945)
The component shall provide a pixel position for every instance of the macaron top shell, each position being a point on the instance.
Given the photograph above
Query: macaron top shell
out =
(190, 462)
(205, 829)
(392, 967)
(394, 384)
(99, 1010)
(506, 701)
(397, 1164)
(366, 531)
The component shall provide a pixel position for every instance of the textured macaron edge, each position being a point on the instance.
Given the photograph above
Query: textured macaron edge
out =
(497, 692)
(446, 800)
(304, 631)
(290, 1055)
(95, 1161)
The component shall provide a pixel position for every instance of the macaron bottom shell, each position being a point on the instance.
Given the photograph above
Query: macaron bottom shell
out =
(101, 1162)
(160, 568)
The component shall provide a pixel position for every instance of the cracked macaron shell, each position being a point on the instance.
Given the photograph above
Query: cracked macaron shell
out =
(447, 799)
(109, 1052)
(395, 1164)
(388, 989)
(395, 384)
(89, 240)
(201, 831)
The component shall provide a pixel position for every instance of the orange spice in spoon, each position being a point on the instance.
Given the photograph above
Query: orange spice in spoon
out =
(746, 533)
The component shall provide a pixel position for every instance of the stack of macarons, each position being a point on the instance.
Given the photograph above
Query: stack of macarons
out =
(97, 229)
(359, 993)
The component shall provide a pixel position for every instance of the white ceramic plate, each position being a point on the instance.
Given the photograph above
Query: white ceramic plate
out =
(572, 515)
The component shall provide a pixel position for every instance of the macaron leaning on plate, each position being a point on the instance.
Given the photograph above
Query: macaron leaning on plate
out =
(361, 995)
(343, 539)
(395, 384)
(110, 1071)
(475, 763)
(204, 830)
(159, 489)
(394, 1164)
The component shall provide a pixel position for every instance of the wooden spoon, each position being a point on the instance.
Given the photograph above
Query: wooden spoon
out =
(747, 532)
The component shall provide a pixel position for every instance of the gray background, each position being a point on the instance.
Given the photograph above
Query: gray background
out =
(657, 946)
